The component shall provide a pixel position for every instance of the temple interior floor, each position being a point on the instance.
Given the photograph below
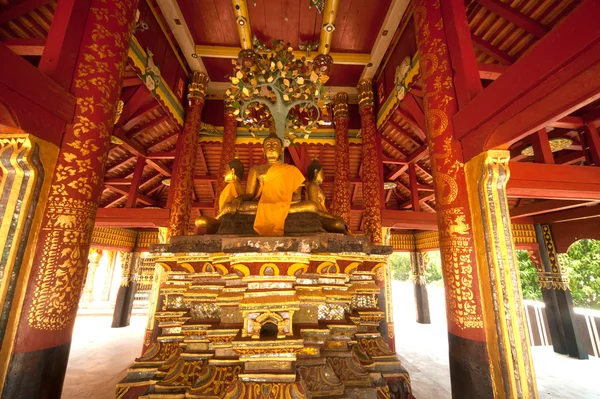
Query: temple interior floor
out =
(100, 355)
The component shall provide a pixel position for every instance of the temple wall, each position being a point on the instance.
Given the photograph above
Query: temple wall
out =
(567, 233)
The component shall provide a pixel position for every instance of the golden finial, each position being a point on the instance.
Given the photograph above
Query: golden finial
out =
(340, 105)
(365, 93)
(119, 111)
(197, 85)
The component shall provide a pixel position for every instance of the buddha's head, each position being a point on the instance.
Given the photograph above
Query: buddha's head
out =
(234, 171)
(272, 148)
(315, 172)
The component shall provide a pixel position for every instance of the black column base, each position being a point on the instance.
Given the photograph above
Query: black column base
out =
(422, 304)
(469, 369)
(124, 305)
(564, 329)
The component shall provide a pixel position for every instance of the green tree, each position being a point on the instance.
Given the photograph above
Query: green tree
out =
(528, 275)
(582, 265)
(400, 265)
(433, 271)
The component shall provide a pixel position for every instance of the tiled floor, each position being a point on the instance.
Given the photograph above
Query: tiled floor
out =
(100, 355)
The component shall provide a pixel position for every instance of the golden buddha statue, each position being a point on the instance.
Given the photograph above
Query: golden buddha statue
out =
(274, 190)
(234, 171)
(315, 194)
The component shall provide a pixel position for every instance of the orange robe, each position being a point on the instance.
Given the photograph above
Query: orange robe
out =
(280, 182)
(228, 193)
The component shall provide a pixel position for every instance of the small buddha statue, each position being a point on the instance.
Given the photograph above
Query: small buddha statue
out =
(314, 193)
(234, 171)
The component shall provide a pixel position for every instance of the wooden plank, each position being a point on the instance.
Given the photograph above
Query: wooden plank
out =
(139, 116)
(540, 207)
(161, 155)
(404, 133)
(467, 81)
(515, 16)
(560, 74)
(128, 144)
(409, 219)
(159, 167)
(568, 215)
(59, 58)
(18, 9)
(571, 158)
(397, 173)
(547, 181)
(593, 143)
(411, 105)
(394, 145)
(25, 79)
(392, 161)
(418, 154)
(33, 47)
(414, 125)
(492, 51)
(567, 122)
(148, 126)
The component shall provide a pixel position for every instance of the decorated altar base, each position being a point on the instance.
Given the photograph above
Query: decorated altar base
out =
(269, 318)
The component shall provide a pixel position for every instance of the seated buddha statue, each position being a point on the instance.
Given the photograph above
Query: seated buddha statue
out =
(314, 193)
(234, 171)
(273, 191)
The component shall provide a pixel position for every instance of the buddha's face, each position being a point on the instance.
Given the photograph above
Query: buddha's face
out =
(319, 177)
(272, 150)
(230, 176)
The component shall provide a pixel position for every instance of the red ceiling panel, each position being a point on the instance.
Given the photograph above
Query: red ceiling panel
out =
(357, 25)
(218, 68)
(211, 21)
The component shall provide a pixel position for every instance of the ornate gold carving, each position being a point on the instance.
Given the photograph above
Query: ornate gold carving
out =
(147, 238)
(114, 237)
(402, 242)
(198, 85)
(340, 105)
(427, 240)
(365, 93)
(549, 243)
(523, 234)
(556, 281)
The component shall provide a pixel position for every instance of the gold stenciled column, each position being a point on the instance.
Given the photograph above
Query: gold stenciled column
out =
(182, 182)
(372, 172)
(227, 149)
(340, 204)
(506, 332)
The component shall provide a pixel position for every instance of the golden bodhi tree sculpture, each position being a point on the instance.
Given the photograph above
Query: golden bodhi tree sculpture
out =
(278, 90)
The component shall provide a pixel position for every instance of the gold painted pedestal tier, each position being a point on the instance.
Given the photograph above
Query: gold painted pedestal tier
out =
(268, 318)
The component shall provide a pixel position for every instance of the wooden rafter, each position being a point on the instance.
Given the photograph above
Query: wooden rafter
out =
(395, 146)
(492, 51)
(515, 16)
(16, 10)
(540, 207)
(140, 115)
(33, 47)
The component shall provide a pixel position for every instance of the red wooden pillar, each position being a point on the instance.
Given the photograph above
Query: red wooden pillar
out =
(340, 205)
(469, 363)
(592, 139)
(182, 182)
(227, 149)
(372, 173)
(42, 338)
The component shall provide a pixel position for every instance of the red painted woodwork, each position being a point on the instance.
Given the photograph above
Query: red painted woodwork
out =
(593, 143)
(557, 76)
(414, 125)
(130, 145)
(515, 16)
(135, 182)
(467, 81)
(18, 9)
(492, 51)
(567, 233)
(415, 110)
(414, 192)
(590, 212)
(568, 122)
(345, 75)
(357, 24)
(291, 21)
(542, 153)
(490, 71)
(211, 21)
(135, 217)
(530, 180)
(541, 207)
(409, 219)
(64, 38)
(160, 167)
(33, 47)
(218, 68)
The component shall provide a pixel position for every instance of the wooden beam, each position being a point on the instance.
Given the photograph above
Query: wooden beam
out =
(414, 192)
(394, 145)
(22, 77)
(467, 82)
(418, 154)
(412, 106)
(409, 219)
(414, 125)
(490, 71)
(119, 165)
(560, 74)
(150, 125)
(163, 141)
(139, 116)
(515, 16)
(161, 155)
(205, 167)
(392, 161)
(591, 116)
(33, 47)
(140, 97)
(129, 144)
(567, 122)
(159, 167)
(568, 215)
(492, 51)
(138, 172)
(397, 173)
(132, 217)
(13, 11)
(64, 40)
(404, 133)
(571, 158)
(542, 153)
(117, 181)
(540, 207)
(593, 143)
(532, 180)
(422, 169)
